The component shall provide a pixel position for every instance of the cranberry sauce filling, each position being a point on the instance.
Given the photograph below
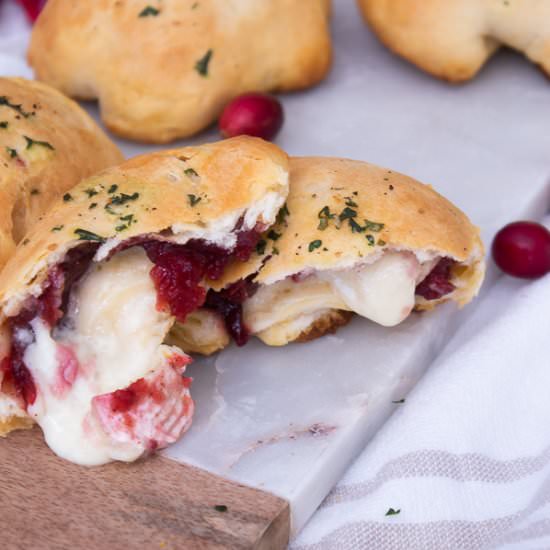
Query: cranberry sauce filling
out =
(179, 270)
(229, 304)
(177, 274)
(437, 284)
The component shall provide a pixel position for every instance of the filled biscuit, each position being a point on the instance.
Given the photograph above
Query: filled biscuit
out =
(89, 298)
(164, 69)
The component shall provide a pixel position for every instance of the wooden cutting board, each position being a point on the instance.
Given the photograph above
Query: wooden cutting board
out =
(48, 504)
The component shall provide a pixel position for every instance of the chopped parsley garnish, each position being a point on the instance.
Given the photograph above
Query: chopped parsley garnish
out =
(314, 244)
(35, 192)
(123, 198)
(275, 251)
(373, 226)
(201, 66)
(11, 152)
(220, 508)
(19, 108)
(347, 213)
(4, 124)
(32, 142)
(58, 228)
(273, 235)
(392, 512)
(349, 202)
(370, 239)
(355, 227)
(85, 235)
(90, 192)
(112, 189)
(191, 173)
(260, 247)
(92, 206)
(193, 200)
(282, 214)
(324, 217)
(67, 197)
(149, 11)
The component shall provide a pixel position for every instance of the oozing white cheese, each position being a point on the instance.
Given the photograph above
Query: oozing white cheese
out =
(113, 337)
(383, 291)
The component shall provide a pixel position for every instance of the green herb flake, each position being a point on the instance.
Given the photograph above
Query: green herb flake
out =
(4, 101)
(91, 192)
(92, 206)
(273, 235)
(201, 66)
(123, 198)
(283, 213)
(324, 217)
(34, 142)
(355, 227)
(85, 235)
(220, 508)
(67, 197)
(347, 213)
(112, 189)
(191, 173)
(275, 251)
(392, 512)
(12, 152)
(35, 192)
(58, 228)
(349, 202)
(193, 200)
(4, 124)
(260, 247)
(373, 226)
(370, 239)
(149, 11)
(314, 244)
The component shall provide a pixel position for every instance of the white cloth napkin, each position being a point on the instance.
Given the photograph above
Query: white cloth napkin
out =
(466, 459)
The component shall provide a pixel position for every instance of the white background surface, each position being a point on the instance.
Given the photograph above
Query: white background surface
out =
(485, 145)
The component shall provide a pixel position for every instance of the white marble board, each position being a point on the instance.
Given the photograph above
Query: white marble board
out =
(291, 420)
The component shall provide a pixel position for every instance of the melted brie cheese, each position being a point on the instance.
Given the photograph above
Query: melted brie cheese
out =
(383, 292)
(112, 337)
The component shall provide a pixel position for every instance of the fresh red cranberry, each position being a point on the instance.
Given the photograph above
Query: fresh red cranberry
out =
(522, 249)
(252, 114)
(438, 283)
(33, 8)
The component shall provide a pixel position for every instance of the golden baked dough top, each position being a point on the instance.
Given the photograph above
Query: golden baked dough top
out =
(47, 145)
(165, 69)
(187, 189)
(339, 212)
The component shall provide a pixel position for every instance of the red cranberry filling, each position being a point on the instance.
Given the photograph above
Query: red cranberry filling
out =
(177, 274)
(437, 284)
(228, 303)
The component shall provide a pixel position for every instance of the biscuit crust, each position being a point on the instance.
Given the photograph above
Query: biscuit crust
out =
(167, 72)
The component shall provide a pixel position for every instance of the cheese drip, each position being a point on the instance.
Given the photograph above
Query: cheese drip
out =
(383, 291)
(112, 336)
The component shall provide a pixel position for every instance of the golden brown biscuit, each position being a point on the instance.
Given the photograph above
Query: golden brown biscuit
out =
(88, 299)
(165, 69)
(452, 39)
(47, 145)
(356, 237)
